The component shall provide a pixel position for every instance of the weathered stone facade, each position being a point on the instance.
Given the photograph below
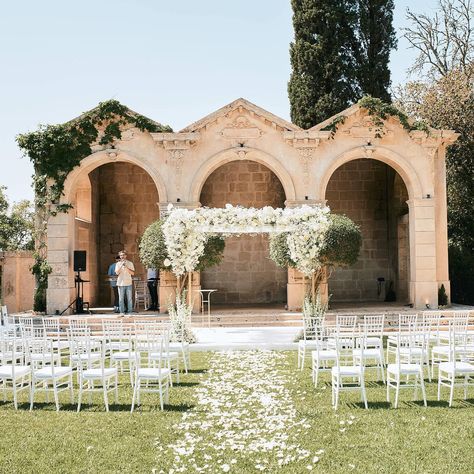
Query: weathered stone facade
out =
(410, 248)
(17, 281)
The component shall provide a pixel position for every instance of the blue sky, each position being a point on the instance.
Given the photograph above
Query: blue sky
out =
(173, 61)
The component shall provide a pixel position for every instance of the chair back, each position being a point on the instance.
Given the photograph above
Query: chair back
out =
(147, 341)
(311, 327)
(407, 322)
(84, 349)
(141, 294)
(373, 325)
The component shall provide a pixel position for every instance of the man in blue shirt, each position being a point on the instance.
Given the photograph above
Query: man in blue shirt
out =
(113, 283)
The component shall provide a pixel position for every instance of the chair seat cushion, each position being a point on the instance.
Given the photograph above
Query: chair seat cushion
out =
(370, 353)
(153, 373)
(124, 355)
(6, 371)
(83, 357)
(347, 370)
(461, 368)
(405, 369)
(8, 355)
(47, 373)
(97, 373)
(326, 354)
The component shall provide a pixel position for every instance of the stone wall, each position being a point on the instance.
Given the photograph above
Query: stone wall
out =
(373, 196)
(17, 281)
(127, 203)
(246, 274)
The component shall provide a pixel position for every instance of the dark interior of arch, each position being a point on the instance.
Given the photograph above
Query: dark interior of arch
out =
(113, 208)
(374, 196)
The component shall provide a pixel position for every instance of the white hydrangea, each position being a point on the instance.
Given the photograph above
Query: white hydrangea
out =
(186, 231)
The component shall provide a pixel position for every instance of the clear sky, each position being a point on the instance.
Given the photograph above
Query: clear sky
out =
(173, 61)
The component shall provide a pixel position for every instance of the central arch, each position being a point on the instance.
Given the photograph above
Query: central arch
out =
(246, 274)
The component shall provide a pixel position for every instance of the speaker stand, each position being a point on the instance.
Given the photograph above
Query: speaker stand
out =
(78, 301)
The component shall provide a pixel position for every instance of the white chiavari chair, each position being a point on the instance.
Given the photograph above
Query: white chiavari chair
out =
(408, 365)
(311, 330)
(348, 372)
(153, 374)
(458, 371)
(15, 375)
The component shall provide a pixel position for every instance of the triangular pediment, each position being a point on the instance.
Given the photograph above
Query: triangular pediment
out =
(240, 105)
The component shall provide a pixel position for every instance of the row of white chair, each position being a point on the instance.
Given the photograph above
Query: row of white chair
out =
(344, 346)
(31, 358)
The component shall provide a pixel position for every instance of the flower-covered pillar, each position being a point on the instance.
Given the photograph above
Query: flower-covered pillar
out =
(297, 285)
(168, 281)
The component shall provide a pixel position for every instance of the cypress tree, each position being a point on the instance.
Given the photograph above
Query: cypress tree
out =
(340, 52)
(375, 38)
(323, 81)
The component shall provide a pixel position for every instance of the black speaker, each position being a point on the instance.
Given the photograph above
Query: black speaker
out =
(79, 260)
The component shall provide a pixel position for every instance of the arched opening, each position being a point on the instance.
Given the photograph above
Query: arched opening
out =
(246, 274)
(113, 205)
(374, 196)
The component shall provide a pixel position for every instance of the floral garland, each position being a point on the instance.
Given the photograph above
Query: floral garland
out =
(186, 231)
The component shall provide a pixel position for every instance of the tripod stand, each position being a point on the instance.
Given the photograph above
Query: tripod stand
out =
(78, 302)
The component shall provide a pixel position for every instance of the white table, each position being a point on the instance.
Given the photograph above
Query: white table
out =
(206, 299)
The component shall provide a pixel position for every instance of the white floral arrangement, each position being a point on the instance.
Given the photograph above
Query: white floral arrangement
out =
(180, 318)
(186, 231)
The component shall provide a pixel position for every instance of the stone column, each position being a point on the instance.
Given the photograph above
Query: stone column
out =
(60, 291)
(441, 222)
(167, 290)
(423, 258)
(295, 286)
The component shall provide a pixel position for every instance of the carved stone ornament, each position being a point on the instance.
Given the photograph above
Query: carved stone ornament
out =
(241, 128)
(176, 157)
(306, 157)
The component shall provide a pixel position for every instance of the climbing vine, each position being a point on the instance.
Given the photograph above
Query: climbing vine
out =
(55, 150)
(380, 111)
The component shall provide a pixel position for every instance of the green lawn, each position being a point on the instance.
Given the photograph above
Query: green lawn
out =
(409, 439)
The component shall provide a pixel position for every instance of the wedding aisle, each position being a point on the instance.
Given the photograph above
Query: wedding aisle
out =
(244, 418)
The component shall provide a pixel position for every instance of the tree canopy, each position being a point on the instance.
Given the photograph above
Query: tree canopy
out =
(340, 52)
(16, 224)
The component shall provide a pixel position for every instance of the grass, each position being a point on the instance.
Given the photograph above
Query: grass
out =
(381, 439)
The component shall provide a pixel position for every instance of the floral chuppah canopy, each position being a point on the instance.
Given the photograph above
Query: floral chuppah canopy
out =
(186, 232)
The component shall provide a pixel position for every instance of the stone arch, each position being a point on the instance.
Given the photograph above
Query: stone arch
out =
(230, 154)
(100, 158)
(408, 174)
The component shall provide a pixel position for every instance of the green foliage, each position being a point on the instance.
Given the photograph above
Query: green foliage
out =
(380, 111)
(152, 247)
(342, 243)
(442, 296)
(41, 269)
(213, 253)
(16, 224)
(461, 274)
(334, 124)
(153, 253)
(375, 38)
(340, 52)
(279, 252)
(323, 80)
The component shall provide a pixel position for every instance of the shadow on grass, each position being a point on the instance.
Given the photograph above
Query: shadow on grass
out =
(94, 407)
(197, 371)
(185, 384)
